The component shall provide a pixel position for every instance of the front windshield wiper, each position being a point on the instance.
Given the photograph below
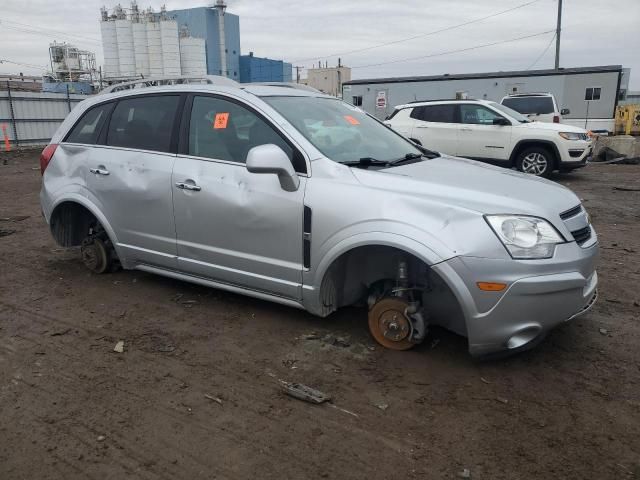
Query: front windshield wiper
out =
(366, 162)
(408, 158)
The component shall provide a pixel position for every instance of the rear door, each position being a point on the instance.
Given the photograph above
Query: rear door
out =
(436, 127)
(234, 226)
(129, 177)
(479, 137)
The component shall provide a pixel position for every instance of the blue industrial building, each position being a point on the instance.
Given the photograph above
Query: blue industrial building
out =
(256, 69)
(202, 22)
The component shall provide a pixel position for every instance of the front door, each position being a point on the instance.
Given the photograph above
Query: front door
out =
(129, 178)
(479, 137)
(233, 226)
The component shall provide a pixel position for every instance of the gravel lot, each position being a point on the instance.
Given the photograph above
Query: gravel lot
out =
(195, 393)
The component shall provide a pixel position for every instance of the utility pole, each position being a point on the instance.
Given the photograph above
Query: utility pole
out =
(558, 28)
(298, 74)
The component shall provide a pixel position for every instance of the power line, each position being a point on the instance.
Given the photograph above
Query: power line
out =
(24, 64)
(440, 54)
(452, 27)
(47, 32)
(542, 54)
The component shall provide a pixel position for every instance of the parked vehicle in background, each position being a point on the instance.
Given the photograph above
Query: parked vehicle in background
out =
(491, 132)
(296, 197)
(538, 107)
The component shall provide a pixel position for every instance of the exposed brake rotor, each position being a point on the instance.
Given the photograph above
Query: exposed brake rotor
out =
(389, 325)
(94, 254)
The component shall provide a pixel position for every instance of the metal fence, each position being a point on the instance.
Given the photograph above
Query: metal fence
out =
(31, 118)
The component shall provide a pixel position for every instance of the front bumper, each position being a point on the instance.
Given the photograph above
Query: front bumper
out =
(540, 295)
(575, 154)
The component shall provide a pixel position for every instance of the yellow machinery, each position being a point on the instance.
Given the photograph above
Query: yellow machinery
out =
(627, 120)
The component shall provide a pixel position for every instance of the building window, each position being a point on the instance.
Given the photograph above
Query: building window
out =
(234, 52)
(357, 101)
(226, 51)
(235, 74)
(592, 93)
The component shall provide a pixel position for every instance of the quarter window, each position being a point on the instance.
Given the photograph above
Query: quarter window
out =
(435, 113)
(144, 122)
(592, 93)
(223, 130)
(88, 128)
(477, 115)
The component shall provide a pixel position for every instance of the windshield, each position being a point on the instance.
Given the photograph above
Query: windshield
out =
(530, 104)
(512, 113)
(342, 133)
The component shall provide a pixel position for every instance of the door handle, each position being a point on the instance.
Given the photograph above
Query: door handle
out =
(188, 186)
(99, 171)
(422, 126)
(466, 129)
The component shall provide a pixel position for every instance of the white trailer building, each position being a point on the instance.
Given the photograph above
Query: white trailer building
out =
(570, 86)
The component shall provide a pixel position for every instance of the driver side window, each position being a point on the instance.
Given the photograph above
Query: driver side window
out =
(224, 130)
(477, 115)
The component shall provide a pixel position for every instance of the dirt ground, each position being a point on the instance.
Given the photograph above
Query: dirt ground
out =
(195, 393)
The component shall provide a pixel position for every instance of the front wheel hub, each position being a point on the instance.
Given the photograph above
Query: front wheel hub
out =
(389, 324)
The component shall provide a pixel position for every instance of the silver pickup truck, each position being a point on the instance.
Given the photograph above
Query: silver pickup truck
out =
(293, 196)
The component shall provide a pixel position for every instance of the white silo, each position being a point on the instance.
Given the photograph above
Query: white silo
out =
(154, 47)
(170, 47)
(193, 59)
(141, 51)
(110, 49)
(126, 56)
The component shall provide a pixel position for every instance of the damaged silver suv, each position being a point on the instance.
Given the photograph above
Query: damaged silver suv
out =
(295, 197)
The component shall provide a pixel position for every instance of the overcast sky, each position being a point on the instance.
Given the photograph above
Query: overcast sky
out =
(595, 32)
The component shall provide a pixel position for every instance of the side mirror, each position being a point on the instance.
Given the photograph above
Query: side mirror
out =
(270, 158)
(501, 121)
(565, 111)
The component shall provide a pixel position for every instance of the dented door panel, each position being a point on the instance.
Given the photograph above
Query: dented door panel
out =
(237, 227)
(133, 190)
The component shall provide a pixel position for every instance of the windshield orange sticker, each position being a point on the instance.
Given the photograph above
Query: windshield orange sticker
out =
(351, 120)
(221, 121)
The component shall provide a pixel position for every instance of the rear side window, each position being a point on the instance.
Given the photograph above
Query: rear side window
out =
(526, 105)
(435, 113)
(144, 122)
(88, 127)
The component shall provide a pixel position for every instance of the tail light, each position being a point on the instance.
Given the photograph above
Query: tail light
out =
(556, 119)
(46, 156)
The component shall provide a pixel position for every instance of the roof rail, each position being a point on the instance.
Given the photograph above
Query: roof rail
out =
(296, 86)
(170, 80)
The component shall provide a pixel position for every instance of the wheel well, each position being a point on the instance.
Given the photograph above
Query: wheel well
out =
(70, 223)
(535, 143)
(350, 277)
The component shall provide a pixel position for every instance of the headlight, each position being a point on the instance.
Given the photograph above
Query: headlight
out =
(525, 237)
(572, 136)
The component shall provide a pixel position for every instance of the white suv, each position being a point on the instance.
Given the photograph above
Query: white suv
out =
(488, 131)
(539, 107)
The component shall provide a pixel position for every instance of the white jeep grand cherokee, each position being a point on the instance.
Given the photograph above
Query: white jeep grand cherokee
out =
(488, 131)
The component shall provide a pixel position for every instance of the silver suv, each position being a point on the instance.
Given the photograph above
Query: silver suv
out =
(298, 198)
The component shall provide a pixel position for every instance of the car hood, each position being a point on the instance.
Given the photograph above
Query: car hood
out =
(470, 185)
(555, 127)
